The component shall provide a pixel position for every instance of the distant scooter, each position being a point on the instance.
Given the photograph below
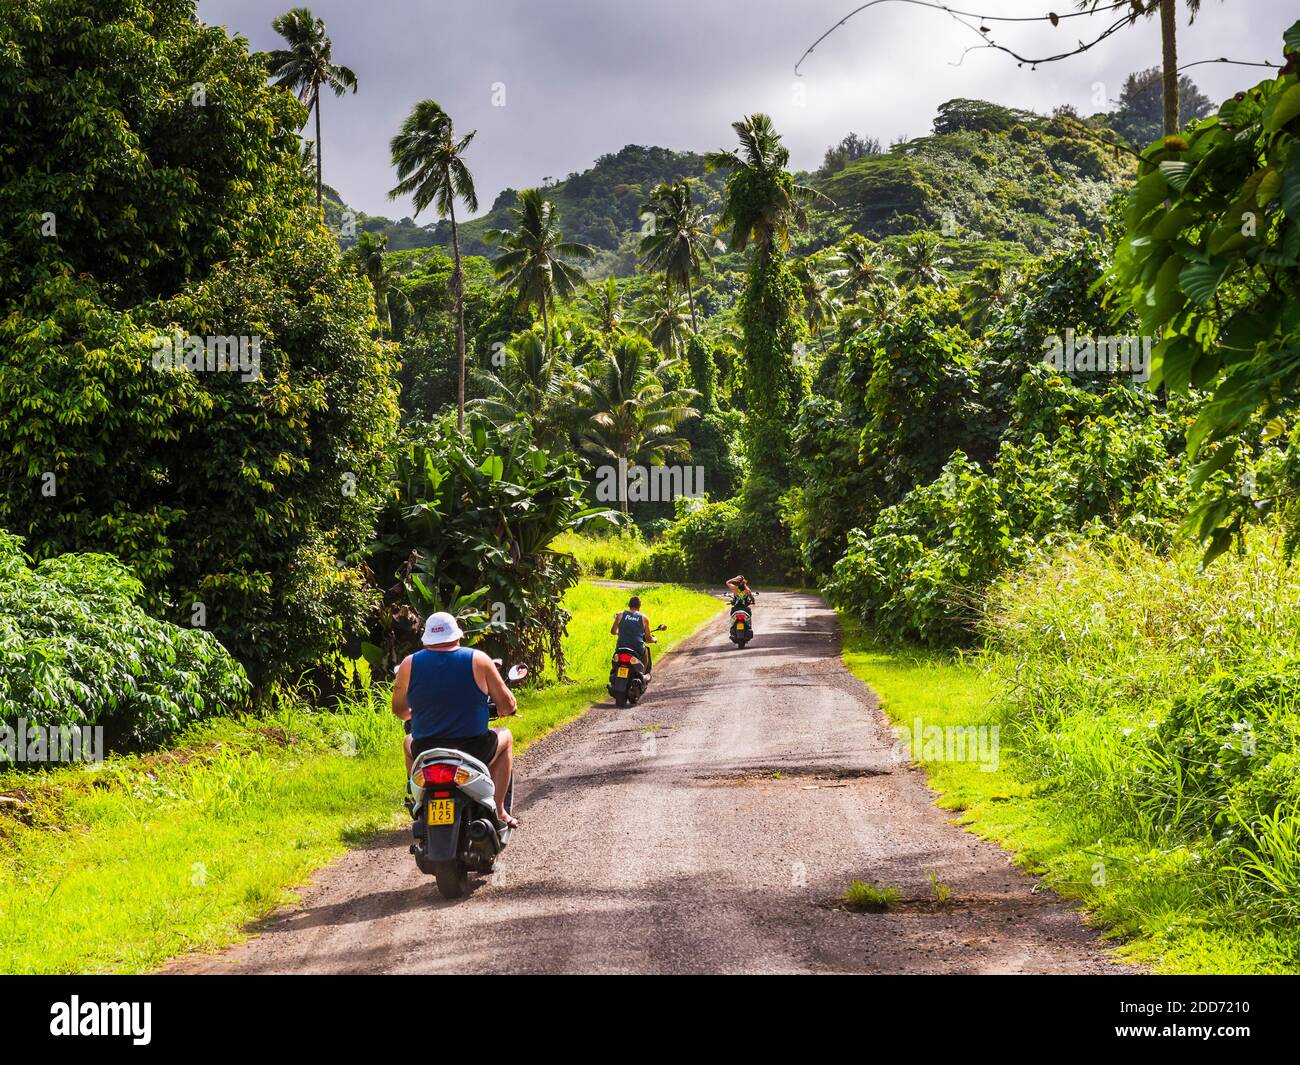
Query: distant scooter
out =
(742, 622)
(454, 811)
(627, 675)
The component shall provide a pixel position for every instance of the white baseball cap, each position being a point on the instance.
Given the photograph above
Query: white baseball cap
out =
(441, 628)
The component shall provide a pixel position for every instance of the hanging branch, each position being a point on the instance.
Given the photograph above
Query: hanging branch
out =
(960, 16)
(1132, 9)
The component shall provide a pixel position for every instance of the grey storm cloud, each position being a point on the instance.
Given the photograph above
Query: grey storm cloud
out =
(581, 78)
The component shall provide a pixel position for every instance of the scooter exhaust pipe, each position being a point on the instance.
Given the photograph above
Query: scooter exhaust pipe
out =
(484, 830)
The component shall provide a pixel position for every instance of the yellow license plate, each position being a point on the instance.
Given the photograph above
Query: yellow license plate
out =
(442, 812)
(740, 624)
(622, 672)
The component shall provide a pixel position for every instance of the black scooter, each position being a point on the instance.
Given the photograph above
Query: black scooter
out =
(627, 675)
(454, 811)
(742, 623)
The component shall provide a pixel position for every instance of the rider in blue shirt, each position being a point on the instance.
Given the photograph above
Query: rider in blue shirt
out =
(443, 692)
(633, 631)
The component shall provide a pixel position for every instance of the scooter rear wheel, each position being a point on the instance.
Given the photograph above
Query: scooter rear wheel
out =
(452, 878)
(620, 699)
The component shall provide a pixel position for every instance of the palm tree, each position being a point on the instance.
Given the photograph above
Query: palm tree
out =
(431, 170)
(1169, 47)
(535, 382)
(860, 266)
(664, 321)
(305, 66)
(680, 240)
(633, 416)
(991, 287)
(762, 203)
(532, 261)
(605, 305)
(921, 263)
(820, 305)
(368, 252)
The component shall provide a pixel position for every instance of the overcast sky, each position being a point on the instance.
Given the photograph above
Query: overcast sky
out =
(584, 77)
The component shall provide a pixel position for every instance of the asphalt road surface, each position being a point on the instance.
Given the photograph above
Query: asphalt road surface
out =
(710, 829)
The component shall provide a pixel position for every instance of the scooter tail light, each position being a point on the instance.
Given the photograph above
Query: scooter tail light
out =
(625, 660)
(441, 773)
(463, 776)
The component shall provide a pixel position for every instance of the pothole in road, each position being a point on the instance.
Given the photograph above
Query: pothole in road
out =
(1010, 908)
(808, 778)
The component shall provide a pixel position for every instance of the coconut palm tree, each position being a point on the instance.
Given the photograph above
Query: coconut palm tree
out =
(665, 318)
(632, 415)
(431, 170)
(306, 66)
(534, 253)
(536, 382)
(820, 305)
(1168, 10)
(990, 288)
(605, 305)
(368, 253)
(761, 203)
(921, 263)
(679, 242)
(860, 266)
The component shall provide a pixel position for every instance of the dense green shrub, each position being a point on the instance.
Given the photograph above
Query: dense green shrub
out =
(246, 497)
(1210, 262)
(470, 526)
(77, 649)
(1111, 463)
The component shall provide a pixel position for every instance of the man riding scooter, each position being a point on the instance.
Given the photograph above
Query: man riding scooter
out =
(443, 691)
(633, 631)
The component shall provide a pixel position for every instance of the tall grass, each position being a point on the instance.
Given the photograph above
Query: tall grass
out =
(610, 557)
(1160, 705)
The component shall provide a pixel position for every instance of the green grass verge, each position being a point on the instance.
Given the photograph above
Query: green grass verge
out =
(120, 867)
(1143, 898)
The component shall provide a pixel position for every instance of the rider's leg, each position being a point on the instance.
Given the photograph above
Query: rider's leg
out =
(501, 766)
(406, 748)
(645, 652)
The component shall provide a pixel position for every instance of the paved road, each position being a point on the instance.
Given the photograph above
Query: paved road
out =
(708, 829)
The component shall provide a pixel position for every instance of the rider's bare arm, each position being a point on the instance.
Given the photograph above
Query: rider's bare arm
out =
(401, 708)
(489, 679)
(649, 634)
(613, 629)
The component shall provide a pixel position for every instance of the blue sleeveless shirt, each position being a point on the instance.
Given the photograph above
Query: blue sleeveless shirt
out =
(631, 630)
(445, 700)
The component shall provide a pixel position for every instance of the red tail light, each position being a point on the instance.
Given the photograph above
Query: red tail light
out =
(439, 773)
(625, 660)
(740, 615)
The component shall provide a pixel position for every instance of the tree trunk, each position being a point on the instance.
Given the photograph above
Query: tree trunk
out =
(318, 170)
(690, 296)
(1169, 42)
(546, 323)
(458, 292)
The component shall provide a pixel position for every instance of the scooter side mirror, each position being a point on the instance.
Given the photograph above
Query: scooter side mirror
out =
(660, 628)
(517, 673)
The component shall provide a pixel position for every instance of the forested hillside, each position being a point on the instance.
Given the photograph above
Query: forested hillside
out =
(992, 182)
